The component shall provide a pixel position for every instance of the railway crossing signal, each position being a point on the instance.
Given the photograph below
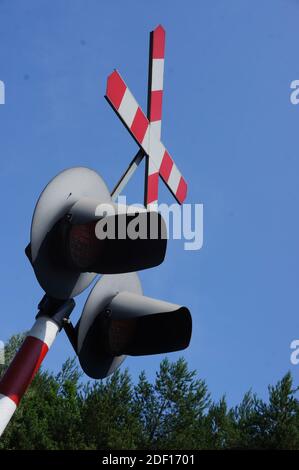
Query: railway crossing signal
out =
(118, 320)
(64, 250)
(66, 253)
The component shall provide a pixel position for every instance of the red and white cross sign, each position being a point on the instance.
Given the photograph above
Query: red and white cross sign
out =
(146, 130)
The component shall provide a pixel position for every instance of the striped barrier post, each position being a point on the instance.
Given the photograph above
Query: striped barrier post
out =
(28, 359)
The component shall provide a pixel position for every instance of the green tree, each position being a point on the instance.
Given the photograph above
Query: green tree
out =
(109, 417)
(173, 412)
(221, 427)
(65, 421)
(275, 425)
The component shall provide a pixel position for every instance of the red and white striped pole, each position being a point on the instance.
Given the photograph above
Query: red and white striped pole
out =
(154, 110)
(28, 359)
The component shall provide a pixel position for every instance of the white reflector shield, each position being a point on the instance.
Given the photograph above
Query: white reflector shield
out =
(56, 279)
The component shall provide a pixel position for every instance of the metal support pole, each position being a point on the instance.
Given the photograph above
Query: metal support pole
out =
(127, 175)
(20, 373)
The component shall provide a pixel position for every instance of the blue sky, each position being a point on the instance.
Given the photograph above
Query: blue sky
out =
(230, 126)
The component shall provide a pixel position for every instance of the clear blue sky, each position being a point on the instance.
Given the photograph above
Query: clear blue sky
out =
(232, 130)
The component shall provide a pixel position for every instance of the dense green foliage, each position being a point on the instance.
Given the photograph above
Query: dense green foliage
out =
(175, 412)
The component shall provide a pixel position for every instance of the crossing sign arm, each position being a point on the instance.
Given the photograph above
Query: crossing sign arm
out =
(156, 78)
(126, 107)
(154, 109)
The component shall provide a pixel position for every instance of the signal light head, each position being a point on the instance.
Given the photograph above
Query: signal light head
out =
(115, 254)
(66, 250)
(127, 324)
(154, 334)
(140, 325)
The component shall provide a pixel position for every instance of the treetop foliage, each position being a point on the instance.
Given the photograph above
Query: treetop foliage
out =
(174, 412)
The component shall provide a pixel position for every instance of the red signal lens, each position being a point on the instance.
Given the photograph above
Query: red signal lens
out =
(121, 334)
(84, 251)
(83, 246)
